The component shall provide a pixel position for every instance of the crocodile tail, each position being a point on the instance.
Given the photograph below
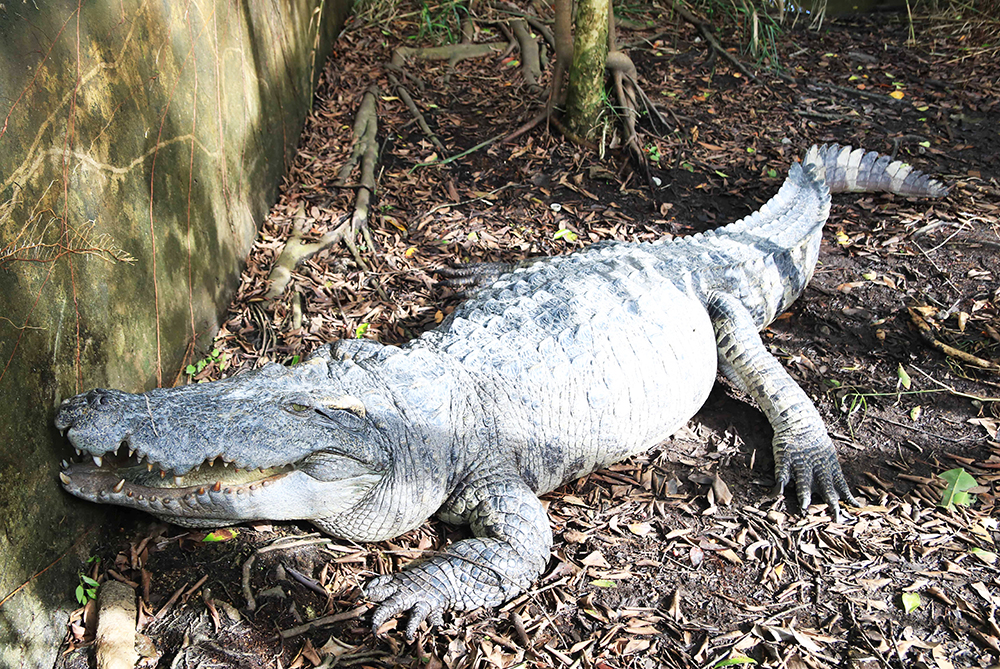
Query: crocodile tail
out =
(848, 170)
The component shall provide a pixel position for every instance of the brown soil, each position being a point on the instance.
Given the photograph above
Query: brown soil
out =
(649, 567)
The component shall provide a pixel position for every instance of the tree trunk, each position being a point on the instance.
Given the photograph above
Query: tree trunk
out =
(585, 98)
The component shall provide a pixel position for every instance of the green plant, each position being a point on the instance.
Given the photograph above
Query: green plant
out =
(215, 357)
(86, 589)
(957, 491)
(441, 23)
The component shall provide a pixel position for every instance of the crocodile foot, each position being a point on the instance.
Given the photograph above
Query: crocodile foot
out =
(811, 461)
(419, 591)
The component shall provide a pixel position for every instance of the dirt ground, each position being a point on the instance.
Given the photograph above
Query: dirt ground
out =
(651, 566)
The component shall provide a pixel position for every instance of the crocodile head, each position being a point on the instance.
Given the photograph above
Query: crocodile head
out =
(280, 443)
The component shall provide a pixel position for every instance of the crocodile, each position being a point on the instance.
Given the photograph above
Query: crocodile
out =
(554, 368)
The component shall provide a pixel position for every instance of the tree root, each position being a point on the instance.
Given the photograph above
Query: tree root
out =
(531, 68)
(116, 631)
(407, 99)
(448, 52)
(365, 151)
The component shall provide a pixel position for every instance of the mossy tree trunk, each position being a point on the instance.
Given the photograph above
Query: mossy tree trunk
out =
(585, 96)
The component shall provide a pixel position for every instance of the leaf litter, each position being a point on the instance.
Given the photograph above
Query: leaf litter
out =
(677, 557)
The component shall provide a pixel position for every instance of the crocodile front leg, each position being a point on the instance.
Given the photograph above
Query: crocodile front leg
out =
(509, 552)
(802, 448)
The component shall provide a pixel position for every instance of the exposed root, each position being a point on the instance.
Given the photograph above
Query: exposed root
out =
(115, 643)
(531, 68)
(407, 99)
(448, 52)
(366, 152)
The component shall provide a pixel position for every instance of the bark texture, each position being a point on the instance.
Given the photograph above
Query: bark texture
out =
(585, 97)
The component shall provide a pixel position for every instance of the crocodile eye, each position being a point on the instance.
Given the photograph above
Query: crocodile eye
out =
(299, 408)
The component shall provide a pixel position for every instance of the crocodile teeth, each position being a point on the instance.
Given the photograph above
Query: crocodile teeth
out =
(217, 487)
(201, 490)
(78, 451)
(178, 480)
(162, 474)
(65, 465)
(211, 463)
(65, 479)
(131, 451)
(149, 466)
(98, 460)
(118, 488)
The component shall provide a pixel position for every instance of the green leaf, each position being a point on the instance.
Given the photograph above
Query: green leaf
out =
(722, 174)
(904, 378)
(214, 353)
(190, 370)
(81, 596)
(86, 580)
(869, 276)
(750, 149)
(959, 483)
(989, 557)
(296, 358)
(221, 535)
(739, 659)
(360, 331)
(564, 233)
(772, 173)
(926, 145)
(603, 583)
(923, 109)
(911, 601)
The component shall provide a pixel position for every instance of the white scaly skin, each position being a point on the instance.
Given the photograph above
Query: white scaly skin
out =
(555, 368)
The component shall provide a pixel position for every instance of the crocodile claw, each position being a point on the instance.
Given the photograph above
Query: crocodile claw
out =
(398, 593)
(814, 467)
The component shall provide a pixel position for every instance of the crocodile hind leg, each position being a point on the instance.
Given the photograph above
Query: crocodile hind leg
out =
(802, 448)
(510, 550)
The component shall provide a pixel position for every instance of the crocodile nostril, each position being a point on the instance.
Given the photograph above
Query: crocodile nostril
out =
(97, 397)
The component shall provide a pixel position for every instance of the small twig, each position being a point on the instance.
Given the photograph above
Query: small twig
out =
(435, 163)
(325, 620)
(170, 602)
(247, 592)
(293, 542)
(917, 429)
(928, 336)
(952, 391)
(310, 583)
